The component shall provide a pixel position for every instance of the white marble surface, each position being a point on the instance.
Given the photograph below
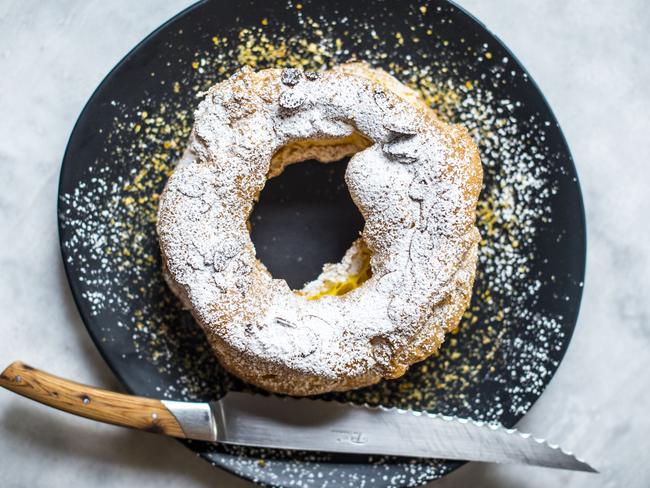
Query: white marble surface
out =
(590, 59)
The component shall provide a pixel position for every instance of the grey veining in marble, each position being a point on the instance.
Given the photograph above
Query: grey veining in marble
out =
(591, 61)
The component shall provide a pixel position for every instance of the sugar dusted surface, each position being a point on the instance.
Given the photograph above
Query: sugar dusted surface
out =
(500, 338)
(416, 186)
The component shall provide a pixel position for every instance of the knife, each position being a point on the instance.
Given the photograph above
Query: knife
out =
(298, 424)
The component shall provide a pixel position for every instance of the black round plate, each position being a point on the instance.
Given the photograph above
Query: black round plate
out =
(531, 218)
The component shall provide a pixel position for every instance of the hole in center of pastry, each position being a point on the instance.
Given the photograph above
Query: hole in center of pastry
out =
(305, 226)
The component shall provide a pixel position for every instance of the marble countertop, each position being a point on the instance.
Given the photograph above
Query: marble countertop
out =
(590, 59)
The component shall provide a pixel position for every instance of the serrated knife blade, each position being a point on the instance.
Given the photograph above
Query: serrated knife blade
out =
(315, 425)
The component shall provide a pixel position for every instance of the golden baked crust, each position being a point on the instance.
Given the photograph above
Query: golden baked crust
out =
(416, 181)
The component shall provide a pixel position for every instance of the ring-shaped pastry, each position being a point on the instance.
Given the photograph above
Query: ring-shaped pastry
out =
(415, 180)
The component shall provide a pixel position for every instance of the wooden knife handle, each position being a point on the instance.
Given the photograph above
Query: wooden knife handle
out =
(136, 412)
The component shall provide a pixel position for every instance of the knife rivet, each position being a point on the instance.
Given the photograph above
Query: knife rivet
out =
(18, 379)
(154, 416)
(85, 399)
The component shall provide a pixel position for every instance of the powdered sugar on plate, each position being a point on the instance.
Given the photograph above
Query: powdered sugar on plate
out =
(506, 348)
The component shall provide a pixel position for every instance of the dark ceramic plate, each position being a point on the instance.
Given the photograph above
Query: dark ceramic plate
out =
(531, 267)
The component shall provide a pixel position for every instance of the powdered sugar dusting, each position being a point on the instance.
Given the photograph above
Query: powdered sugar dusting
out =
(509, 342)
(416, 185)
